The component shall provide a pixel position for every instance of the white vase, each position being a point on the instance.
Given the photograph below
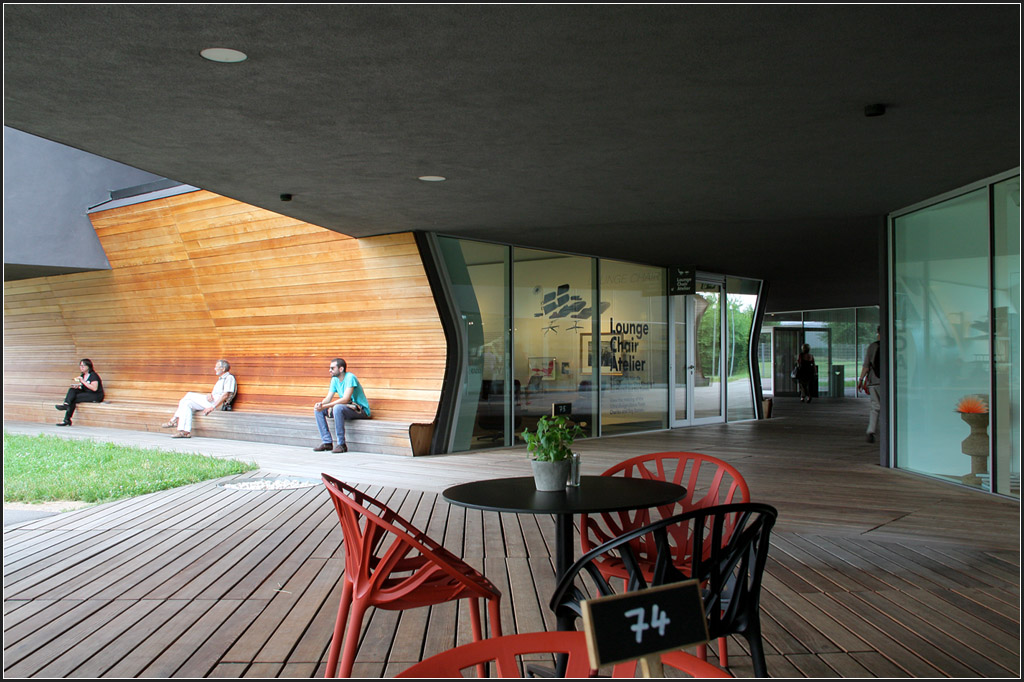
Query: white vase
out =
(550, 476)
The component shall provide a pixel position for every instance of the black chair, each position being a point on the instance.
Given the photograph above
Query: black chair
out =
(729, 574)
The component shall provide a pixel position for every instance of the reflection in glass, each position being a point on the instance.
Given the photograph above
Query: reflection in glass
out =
(634, 348)
(553, 320)
(941, 333)
(1006, 328)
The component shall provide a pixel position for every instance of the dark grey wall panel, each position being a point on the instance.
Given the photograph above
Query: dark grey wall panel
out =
(48, 189)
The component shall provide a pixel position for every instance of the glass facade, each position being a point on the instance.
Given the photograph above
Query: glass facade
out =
(554, 312)
(1006, 334)
(542, 332)
(633, 348)
(956, 362)
(478, 276)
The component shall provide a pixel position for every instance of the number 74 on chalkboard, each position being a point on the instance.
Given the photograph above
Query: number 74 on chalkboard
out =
(659, 621)
(643, 623)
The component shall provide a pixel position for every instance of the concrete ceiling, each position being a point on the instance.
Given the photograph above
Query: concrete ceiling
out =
(730, 137)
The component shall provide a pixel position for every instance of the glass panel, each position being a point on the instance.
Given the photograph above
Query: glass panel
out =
(835, 352)
(774, 378)
(634, 349)
(681, 361)
(478, 274)
(742, 298)
(941, 338)
(1006, 326)
(553, 330)
(707, 378)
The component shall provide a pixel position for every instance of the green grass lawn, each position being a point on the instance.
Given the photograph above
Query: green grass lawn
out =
(46, 469)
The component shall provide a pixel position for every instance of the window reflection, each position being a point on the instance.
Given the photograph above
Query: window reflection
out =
(554, 311)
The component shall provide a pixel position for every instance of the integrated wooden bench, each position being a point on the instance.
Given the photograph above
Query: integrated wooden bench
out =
(382, 436)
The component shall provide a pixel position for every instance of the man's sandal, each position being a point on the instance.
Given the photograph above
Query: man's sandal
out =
(182, 434)
(169, 425)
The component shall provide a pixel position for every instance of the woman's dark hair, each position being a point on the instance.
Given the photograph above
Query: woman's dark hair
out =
(87, 362)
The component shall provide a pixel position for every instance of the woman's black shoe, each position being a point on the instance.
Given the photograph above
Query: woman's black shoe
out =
(62, 406)
(66, 422)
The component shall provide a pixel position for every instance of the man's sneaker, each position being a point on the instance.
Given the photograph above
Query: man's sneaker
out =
(323, 447)
(340, 448)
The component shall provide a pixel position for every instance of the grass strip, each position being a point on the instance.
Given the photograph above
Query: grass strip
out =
(47, 469)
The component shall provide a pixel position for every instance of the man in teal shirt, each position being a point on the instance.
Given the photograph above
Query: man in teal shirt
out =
(346, 399)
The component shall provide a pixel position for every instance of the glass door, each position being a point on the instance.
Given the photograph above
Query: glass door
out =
(697, 342)
(681, 361)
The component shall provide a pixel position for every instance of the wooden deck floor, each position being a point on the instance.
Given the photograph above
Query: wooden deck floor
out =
(872, 572)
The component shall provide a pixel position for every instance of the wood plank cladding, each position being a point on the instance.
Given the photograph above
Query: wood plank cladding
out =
(197, 277)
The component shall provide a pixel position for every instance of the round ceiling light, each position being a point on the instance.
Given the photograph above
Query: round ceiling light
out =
(433, 178)
(223, 55)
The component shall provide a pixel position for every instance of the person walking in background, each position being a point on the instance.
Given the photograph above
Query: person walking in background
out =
(869, 382)
(806, 373)
(223, 390)
(87, 388)
(350, 403)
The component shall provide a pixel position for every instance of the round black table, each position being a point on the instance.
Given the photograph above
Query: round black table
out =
(595, 494)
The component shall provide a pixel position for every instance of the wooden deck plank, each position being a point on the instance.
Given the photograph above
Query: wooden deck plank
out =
(65, 662)
(165, 586)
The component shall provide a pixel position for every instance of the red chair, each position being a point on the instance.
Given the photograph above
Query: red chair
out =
(392, 565)
(718, 482)
(504, 652)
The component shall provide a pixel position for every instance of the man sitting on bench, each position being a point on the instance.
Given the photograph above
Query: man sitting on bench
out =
(223, 390)
(350, 403)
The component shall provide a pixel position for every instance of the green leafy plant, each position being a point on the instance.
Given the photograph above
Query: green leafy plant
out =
(552, 440)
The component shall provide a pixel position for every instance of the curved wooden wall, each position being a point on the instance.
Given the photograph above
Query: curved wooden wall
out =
(197, 277)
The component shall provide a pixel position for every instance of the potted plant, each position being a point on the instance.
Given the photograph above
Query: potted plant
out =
(550, 451)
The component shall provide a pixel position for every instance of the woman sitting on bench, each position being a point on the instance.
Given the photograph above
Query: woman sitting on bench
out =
(88, 388)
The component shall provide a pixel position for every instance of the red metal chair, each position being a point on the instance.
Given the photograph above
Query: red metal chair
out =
(718, 482)
(391, 564)
(504, 652)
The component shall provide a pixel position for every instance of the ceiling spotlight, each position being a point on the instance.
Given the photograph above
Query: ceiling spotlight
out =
(874, 110)
(433, 178)
(223, 55)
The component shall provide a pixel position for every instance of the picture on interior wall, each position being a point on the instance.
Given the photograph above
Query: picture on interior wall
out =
(543, 368)
(609, 366)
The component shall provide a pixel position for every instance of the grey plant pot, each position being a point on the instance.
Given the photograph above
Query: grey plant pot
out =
(550, 476)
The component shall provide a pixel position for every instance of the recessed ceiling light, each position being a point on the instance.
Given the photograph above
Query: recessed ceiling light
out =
(224, 55)
(433, 178)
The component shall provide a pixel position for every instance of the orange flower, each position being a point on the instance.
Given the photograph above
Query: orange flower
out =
(971, 405)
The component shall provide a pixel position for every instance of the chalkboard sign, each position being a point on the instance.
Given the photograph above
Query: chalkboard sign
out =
(634, 625)
(682, 281)
(561, 409)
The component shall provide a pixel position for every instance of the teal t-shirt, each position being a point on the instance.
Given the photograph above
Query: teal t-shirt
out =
(358, 396)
